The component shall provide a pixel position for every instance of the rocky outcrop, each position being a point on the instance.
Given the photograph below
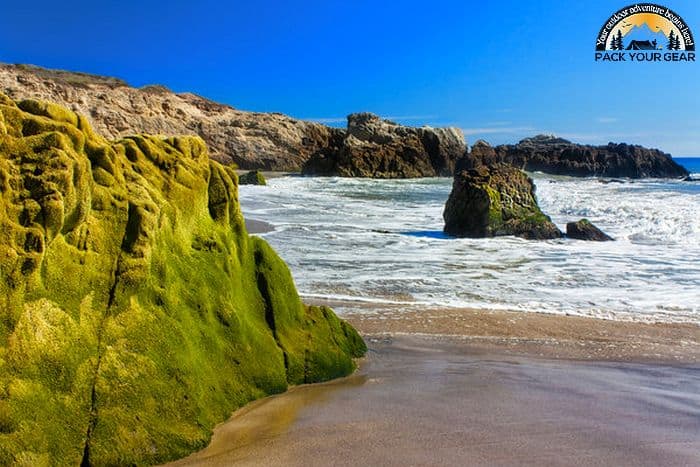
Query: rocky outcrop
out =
(267, 141)
(376, 148)
(496, 200)
(585, 230)
(135, 310)
(558, 156)
(254, 177)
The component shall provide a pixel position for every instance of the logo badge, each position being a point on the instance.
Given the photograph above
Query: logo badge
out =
(645, 32)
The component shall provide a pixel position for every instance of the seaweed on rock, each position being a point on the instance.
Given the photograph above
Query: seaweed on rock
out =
(135, 310)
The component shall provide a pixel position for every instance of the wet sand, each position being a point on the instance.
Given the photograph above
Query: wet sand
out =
(541, 335)
(512, 391)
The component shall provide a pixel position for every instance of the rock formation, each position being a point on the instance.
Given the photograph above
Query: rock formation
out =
(496, 200)
(558, 156)
(267, 141)
(135, 310)
(376, 148)
(585, 230)
(254, 177)
(272, 141)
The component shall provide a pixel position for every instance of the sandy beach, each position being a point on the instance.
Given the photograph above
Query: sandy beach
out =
(466, 387)
(541, 335)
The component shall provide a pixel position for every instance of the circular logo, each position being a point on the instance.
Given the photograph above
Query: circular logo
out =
(645, 27)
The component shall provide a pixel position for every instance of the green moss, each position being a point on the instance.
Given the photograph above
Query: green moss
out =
(50, 110)
(495, 208)
(135, 310)
(254, 177)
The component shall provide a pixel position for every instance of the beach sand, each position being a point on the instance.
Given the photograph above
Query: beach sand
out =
(540, 334)
(467, 387)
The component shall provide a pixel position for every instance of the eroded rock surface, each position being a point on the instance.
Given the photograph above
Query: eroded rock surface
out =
(585, 230)
(376, 148)
(267, 141)
(135, 310)
(552, 155)
(496, 200)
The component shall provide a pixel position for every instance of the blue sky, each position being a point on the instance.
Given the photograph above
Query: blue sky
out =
(499, 70)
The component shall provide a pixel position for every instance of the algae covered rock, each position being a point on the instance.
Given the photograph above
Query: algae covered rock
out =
(254, 177)
(497, 200)
(135, 310)
(376, 148)
(585, 230)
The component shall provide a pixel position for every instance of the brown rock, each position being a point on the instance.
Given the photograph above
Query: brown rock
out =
(267, 141)
(585, 230)
(496, 200)
(376, 148)
(558, 156)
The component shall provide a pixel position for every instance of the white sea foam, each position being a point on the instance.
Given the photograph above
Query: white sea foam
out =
(380, 241)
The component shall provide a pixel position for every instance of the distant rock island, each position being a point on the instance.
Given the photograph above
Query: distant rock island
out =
(377, 148)
(557, 156)
(370, 147)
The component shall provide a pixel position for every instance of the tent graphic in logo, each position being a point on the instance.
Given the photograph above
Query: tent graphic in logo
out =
(645, 26)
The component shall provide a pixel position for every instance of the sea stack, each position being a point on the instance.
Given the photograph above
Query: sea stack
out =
(496, 200)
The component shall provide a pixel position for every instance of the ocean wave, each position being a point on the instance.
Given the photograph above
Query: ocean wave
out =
(377, 241)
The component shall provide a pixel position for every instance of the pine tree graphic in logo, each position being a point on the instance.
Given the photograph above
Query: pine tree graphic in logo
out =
(674, 42)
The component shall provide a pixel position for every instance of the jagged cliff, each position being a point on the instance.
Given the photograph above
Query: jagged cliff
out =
(558, 156)
(377, 148)
(268, 141)
(135, 310)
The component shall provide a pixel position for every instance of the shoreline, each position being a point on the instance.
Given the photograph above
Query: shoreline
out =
(540, 335)
(472, 405)
(484, 388)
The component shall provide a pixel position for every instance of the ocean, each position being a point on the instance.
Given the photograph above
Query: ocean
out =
(692, 164)
(370, 245)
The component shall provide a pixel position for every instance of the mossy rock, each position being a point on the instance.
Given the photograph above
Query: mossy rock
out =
(254, 177)
(496, 200)
(135, 310)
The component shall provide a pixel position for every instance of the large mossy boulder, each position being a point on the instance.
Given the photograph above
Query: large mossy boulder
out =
(135, 310)
(496, 200)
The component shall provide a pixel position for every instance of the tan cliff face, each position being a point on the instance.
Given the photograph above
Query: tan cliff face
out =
(267, 141)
